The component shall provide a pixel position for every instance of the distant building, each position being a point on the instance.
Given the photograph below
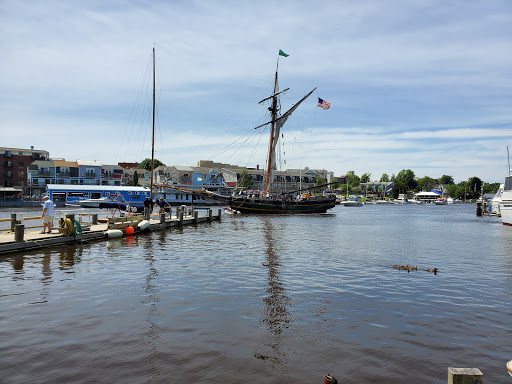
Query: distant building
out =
(14, 165)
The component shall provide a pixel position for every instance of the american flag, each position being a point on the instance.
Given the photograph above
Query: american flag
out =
(323, 104)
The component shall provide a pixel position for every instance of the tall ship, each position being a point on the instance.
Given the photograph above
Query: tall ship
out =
(270, 200)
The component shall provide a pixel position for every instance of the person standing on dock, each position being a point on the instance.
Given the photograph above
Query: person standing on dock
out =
(148, 207)
(47, 215)
(161, 204)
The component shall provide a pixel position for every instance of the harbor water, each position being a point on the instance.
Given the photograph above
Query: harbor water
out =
(266, 299)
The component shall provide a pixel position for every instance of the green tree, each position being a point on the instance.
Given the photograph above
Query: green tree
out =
(474, 186)
(365, 178)
(491, 187)
(384, 178)
(245, 181)
(455, 191)
(335, 184)
(406, 176)
(393, 178)
(425, 184)
(146, 164)
(353, 179)
(445, 179)
(398, 187)
(319, 181)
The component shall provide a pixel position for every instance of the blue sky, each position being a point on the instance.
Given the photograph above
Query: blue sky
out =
(421, 85)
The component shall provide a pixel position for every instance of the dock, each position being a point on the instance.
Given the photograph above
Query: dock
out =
(19, 239)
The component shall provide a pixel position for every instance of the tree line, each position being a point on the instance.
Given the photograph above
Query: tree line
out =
(406, 181)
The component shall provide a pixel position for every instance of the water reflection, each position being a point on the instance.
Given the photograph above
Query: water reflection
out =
(276, 316)
(151, 299)
(69, 256)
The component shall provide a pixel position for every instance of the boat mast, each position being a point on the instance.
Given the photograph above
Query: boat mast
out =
(273, 111)
(153, 136)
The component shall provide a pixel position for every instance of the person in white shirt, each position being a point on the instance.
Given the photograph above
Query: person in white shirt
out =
(47, 215)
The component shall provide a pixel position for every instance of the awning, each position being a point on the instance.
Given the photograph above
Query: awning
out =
(10, 189)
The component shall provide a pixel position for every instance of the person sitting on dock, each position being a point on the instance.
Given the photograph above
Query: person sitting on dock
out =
(47, 215)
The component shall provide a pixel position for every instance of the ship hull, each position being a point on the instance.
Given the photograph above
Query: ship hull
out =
(272, 206)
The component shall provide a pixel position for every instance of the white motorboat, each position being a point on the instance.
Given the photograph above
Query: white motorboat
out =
(353, 201)
(402, 199)
(506, 202)
(95, 203)
(383, 202)
(441, 201)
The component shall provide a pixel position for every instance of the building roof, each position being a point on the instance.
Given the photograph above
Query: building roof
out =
(68, 187)
(63, 163)
(184, 168)
(111, 166)
(88, 163)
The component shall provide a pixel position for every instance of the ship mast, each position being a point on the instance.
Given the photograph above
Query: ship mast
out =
(153, 136)
(273, 111)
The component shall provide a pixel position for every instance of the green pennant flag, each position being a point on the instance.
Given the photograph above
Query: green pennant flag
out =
(281, 53)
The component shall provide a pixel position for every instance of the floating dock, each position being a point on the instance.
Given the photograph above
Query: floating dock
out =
(20, 240)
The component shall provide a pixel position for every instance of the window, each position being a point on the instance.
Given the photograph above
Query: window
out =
(20, 183)
(22, 173)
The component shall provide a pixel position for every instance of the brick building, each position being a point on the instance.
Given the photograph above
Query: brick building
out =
(14, 163)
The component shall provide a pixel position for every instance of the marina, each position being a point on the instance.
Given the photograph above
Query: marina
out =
(277, 298)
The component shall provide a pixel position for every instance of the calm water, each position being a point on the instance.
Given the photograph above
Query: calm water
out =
(267, 300)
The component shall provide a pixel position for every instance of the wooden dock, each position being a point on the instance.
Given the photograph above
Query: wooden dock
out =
(11, 241)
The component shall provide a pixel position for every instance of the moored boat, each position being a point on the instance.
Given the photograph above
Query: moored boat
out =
(353, 201)
(506, 202)
(274, 202)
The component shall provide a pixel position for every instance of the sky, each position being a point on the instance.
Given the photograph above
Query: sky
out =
(420, 85)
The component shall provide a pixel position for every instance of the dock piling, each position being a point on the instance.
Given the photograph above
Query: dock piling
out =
(219, 213)
(94, 219)
(19, 232)
(464, 376)
(13, 221)
(210, 214)
(162, 218)
(196, 217)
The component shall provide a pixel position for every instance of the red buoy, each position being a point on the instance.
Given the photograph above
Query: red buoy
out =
(129, 230)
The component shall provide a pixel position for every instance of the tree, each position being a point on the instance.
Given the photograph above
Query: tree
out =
(445, 179)
(455, 191)
(393, 178)
(491, 188)
(245, 181)
(146, 164)
(426, 184)
(365, 178)
(353, 179)
(398, 188)
(319, 181)
(407, 177)
(335, 184)
(384, 178)
(474, 186)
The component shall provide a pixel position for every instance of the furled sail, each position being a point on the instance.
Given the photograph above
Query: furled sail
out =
(278, 124)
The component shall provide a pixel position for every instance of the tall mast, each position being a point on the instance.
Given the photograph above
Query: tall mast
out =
(273, 111)
(153, 136)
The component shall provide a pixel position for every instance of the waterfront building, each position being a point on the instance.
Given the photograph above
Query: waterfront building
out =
(111, 175)
(73, 193)
(13, 169)
(89, 172)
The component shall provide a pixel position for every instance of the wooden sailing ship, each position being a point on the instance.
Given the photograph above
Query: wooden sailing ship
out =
(272, 202)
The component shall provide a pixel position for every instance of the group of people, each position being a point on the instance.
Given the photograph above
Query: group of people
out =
(47, 215)
(149, 205)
